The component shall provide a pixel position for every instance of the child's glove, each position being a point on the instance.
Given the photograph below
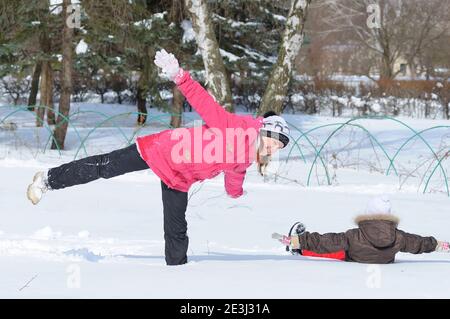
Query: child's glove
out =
(443, 247)
(291, 241)
(168, 63)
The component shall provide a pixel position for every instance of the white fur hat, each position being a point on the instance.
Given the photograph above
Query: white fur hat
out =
(379, 205)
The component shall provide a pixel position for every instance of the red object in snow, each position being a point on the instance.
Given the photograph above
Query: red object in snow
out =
(339, 255)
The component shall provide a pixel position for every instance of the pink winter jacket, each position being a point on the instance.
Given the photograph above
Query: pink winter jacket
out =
(183, 156)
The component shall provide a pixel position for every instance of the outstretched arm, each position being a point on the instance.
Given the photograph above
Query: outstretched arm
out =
(233, 183)
(322, 244)
(415, 244)
(206, 106)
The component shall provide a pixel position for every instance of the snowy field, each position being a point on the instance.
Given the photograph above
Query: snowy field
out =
(105, 239)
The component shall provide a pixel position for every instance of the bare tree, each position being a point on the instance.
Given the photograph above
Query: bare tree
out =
(15, 87)
(389, 29)
(428, 45)
(216, 76)
(100, 84)
(376, 24)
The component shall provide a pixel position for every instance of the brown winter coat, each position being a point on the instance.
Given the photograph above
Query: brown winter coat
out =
(375, 241)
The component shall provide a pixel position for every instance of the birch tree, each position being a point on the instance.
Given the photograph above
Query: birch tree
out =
(292, 41)
(216, 76)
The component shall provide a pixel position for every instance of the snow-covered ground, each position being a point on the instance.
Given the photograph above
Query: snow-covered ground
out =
(105, 239)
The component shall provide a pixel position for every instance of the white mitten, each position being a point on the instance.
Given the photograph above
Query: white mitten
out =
(168, 63)
(443, 247)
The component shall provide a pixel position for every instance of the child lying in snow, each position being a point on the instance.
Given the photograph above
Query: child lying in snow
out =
(375, 241)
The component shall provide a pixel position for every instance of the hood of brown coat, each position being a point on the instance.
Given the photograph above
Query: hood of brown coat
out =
(386, 217)
(379, 230)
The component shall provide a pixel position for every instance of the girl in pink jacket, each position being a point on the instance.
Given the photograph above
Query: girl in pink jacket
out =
(227, 143)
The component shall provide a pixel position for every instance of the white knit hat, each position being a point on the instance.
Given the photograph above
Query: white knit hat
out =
(379, 205)
(276, 127)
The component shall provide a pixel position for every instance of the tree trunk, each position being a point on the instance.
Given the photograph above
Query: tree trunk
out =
(40, 111)
(34, 86)
(141, 106)
(444, 93)
(292, 41)
(119, 97)
(143, 85)
(177, 108)
(46, 101)
(50, 110)
(427, 108)
(387, 73)
(446, 111)
(216, 76)
(66, 81)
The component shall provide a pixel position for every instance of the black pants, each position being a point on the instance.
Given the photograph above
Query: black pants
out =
(120, 162)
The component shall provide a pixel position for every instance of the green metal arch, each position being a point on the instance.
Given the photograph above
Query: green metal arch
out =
(106, 120)
(427, 144)
(318, 152)
(434, 170)
(315, 149)
(25, 109)
(157, 117)
(335, 131)
(411, 138)
(95, 112)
